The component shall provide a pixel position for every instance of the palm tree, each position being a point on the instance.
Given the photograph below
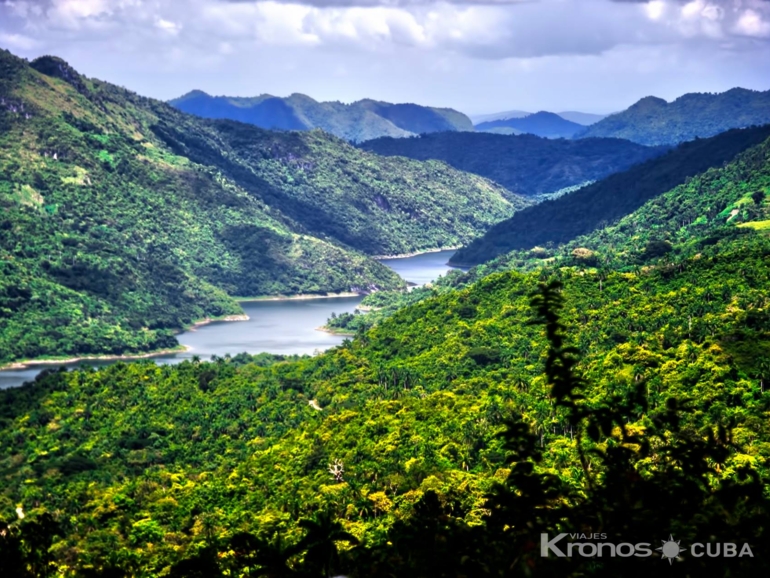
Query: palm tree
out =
(320, 542)
(264, 558)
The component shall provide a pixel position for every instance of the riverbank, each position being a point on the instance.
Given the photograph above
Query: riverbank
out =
(415, 253)
(331, 331)
(300, 297)
(64, 360)
(27, 363)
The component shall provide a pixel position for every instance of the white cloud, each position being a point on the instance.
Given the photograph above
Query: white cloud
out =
(247, 45)
(751, 23)
(17, 41)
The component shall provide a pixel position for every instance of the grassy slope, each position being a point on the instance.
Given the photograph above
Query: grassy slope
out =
(378, 205)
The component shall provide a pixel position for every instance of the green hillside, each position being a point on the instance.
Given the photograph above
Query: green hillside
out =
(653, 121)
(357, 122)
(526, 164)
(144, 466)
(558, 221)
(111, 238)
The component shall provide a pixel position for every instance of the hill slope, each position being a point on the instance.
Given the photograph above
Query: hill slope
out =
(110, 238)
(358, 121)
(653, 121)
(145, 466)
(545, 124)
(525, 164)
(563, 219)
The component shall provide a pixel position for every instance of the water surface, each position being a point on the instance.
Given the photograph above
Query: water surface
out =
(283, 327)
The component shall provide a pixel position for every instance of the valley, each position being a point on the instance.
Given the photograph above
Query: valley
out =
(281, 337)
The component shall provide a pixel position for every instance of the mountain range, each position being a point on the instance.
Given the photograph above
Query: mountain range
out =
(545, 124)
(123, 218)
(620, 382)
(584, 118)
(598, 205)
(527, 164)
(358, 121)
(653, 121)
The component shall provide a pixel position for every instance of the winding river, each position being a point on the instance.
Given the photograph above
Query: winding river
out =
(275, 326)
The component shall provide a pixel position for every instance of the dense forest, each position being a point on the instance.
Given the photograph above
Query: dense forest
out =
(356, 122)
(526, 164)
(560, 220)
(124, 219)
(653, 121)
(449, 421)
(602, 370)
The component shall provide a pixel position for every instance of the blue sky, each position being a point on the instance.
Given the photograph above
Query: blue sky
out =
(476, 56)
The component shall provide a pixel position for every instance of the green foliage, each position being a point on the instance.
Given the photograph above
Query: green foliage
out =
(598, 205)
(413, 408)
(124, 220)
(525, 164)
(653, 121)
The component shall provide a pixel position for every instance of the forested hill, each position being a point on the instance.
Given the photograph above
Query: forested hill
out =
(358, 121)
(425, 441)
(560, 220)
(110, 236)
(526, 164)
(653, 121)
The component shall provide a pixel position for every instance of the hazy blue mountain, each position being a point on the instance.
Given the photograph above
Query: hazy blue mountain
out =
(479, 118)
(358, 121)
(545, 124)
(584, 118)
(653, 121)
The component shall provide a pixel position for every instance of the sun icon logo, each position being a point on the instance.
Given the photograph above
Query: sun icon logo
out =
(670, 549)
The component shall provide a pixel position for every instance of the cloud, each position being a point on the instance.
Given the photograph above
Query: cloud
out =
(248, 44)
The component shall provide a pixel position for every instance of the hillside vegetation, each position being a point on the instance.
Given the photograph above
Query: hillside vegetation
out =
(560, 220)
(150, 470)
(525, 164)
(357, 122)
(653, 121)
(111, 237)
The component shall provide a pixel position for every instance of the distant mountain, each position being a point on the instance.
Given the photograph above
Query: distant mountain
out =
(357, 122)
(584, 118)
(479, 118)
(545, 124)
(600, 204)
(526, 164)
(653, 121)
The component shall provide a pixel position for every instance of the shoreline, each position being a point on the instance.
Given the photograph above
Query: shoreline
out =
(27, 363)
(300, 297)
(414, 253)
(331, 331)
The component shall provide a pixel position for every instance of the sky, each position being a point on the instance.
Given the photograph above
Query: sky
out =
(478, 56)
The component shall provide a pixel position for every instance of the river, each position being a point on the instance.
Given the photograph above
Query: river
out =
(287, 326)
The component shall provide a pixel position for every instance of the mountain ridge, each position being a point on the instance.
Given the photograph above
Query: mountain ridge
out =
(654, 121)
(358, 121)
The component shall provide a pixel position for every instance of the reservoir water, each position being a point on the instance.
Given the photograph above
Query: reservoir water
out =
(284, 327)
